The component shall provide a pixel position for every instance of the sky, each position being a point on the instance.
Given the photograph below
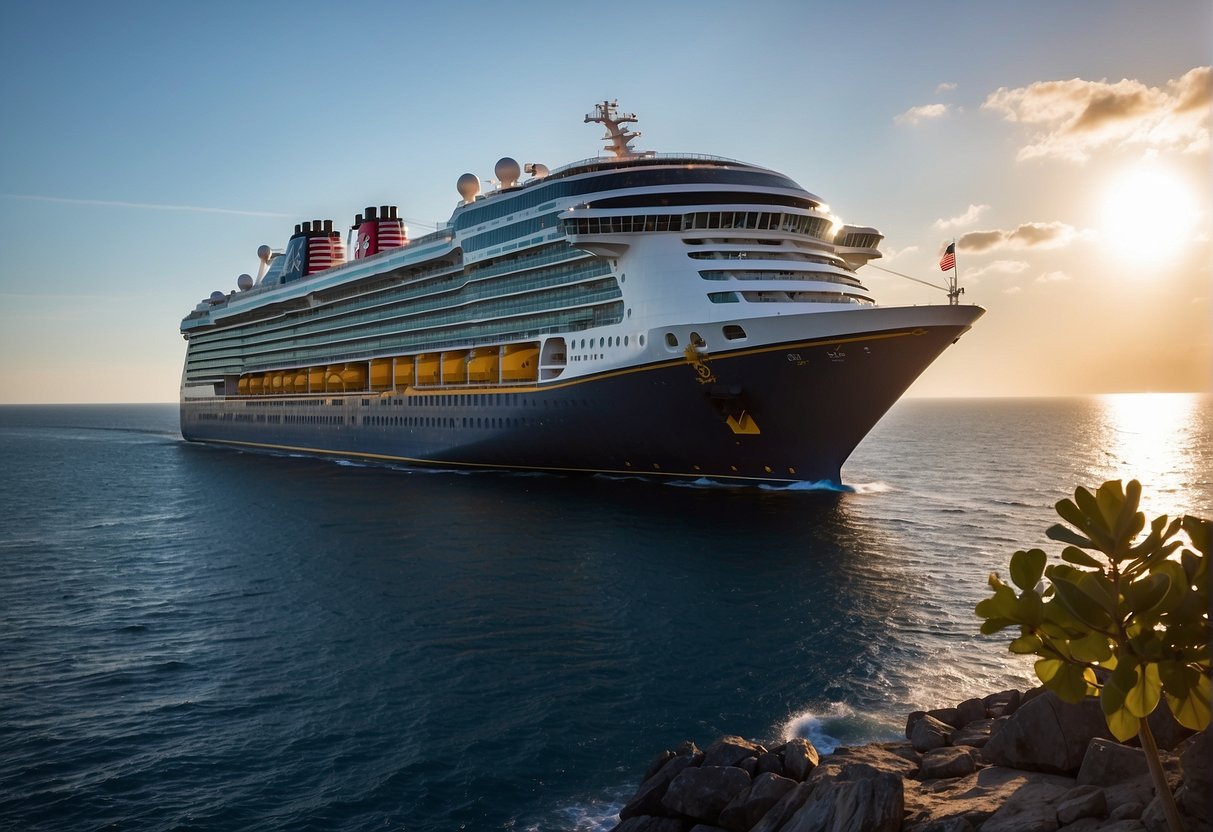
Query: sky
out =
(148, 149)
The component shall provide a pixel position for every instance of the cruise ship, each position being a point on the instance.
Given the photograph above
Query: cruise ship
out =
(632, 314)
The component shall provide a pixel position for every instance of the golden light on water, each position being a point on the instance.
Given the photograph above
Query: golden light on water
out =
(1156, 438)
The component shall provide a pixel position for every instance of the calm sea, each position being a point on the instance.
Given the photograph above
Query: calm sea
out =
(195, 638)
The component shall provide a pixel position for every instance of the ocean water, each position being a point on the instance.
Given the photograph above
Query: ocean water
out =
(195, 638)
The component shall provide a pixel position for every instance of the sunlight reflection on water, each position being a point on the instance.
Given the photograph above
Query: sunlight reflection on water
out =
(1158, 439)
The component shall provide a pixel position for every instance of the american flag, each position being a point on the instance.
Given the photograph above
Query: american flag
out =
(948, 261)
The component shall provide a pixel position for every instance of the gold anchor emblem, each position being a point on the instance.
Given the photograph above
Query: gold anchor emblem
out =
(699, 360)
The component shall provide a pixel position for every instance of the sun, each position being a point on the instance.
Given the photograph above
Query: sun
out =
(1148, 214)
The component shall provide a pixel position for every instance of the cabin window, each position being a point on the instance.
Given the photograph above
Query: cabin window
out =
(671, 340)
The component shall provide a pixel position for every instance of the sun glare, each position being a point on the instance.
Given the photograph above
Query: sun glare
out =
(1148, 213)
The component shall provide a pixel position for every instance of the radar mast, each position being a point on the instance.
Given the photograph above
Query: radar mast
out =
(618, 137)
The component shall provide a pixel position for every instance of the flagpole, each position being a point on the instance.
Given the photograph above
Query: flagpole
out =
(954, 291)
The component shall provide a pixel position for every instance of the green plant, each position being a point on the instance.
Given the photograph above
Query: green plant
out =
(1121, 619)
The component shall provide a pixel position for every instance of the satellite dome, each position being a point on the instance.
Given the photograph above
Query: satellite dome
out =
(469, 186)
(217, 296)
(536, 169)
(244, 282)
(263, 253)
(507, 171)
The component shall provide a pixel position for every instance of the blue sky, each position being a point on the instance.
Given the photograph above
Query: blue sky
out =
(149, 148)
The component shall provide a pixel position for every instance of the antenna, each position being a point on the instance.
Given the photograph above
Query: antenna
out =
(618, 137)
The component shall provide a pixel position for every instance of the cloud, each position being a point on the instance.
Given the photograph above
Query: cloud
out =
(1077, 117)
(969, 216)
(946, 86)
(892, 254)
(1012, 290)
(998, 267)
(154, 206)
(1052, 277)
(1029, 235)
(917, 115)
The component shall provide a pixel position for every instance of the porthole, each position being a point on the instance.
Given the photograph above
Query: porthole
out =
(641, 340)
(601, 343)
(697, 339)
(671, 340)
(733, 332)
(625, 340)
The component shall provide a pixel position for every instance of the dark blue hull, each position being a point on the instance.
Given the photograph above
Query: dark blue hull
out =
(778, 413)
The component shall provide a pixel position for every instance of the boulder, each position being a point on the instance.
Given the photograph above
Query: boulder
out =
(702, 792)
(658, 761)
(851, 798)
(790, 804)
(1168, 733)
(893, 757)
(1081, 802)
(1107, 762)
(1127, 811)
(647, 800)
(975, 798)
(947, 762)
(749, 807)
(913, 718)
(1046, 734)
(1003, 703)
(799, 759)
(1032, 808)
(770, 763)
(970, 710)
(975, 735)
(647, 823)
(1195, 759)
(729, 751)
(1101, 825)
(929, 733)
(949, 716)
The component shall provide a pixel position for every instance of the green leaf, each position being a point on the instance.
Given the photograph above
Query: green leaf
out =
(1081, 605)
(1030, 609)
(1091, 648)
(1199, 531)
(1072, 554)
(1121, 723)
(1110, 498)
(1192, 711)
(1177, 587)
(1028, 567)
(1143, 698)
(1026, 644)
(1143, 595)
(1099, 589)
(1069, 681)
(993, 625)
(1063, 534)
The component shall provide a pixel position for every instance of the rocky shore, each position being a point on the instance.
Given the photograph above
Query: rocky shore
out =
(1008, 762)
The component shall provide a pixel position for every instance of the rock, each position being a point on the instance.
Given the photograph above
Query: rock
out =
(1101, 825)
(970, 710)
(975, 735)
(1107, 762)
(1127, 811)
(703, 827)
(1032, 808)
(911, 720)
(929, 733)
(770, 763)
(749, 807)
(1137, 792)
(947, 762)
(1195, 758)
(658, 761)
(647, 823)
(1046, 734)
(702, 792)
(949, 716)
(799, 759)
(774, 820)
(851, 798)
(749, 765)
(729, 751)
(975, 798)
(1081, 802)
(1003, 703)
(647, 800)
(890, 756)
(956, 824)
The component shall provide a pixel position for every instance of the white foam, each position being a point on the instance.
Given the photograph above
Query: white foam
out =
(837, 723)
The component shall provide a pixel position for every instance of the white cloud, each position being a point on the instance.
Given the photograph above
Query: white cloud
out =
(925, 112)
(968, 217)
(1052, 277)
(1028, 235)
(1012, 290)
(894, 253)
(946, 86)
(999, 267)
(1077, 117)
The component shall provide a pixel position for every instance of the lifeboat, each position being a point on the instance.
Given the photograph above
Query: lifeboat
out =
(381, 374)
(315, 379)
(353, 376)
(402, 375)
(520, 362)
(427, 368)
(482, 365)
(455, 367)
